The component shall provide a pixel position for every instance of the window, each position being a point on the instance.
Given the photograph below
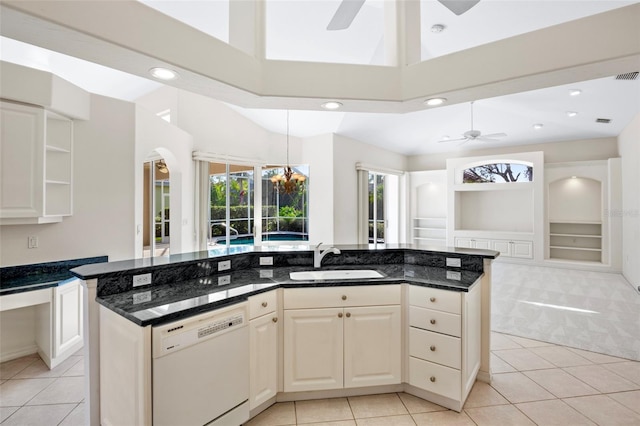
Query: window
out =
(498, 173)
(376, 208)
(378, 205)
(238, 210)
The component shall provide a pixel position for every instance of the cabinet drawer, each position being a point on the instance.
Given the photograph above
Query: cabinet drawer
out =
(441, 322)
(435, 378)
(433, 298)
(435, 347)
(329, 297)
(262, 304)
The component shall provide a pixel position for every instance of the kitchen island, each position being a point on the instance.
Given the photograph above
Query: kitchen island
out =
(188, 285)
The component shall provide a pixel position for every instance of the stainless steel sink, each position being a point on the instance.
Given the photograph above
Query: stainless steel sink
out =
(347, 274)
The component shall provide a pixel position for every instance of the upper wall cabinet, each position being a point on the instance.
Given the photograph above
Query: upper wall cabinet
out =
(36, 155)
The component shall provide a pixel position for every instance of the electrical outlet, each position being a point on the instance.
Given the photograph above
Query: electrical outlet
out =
(141, 279)
(224, 279)
(454, 275)
(145, 296)
(266, 273)
(224, 265)
(32, 242)
(266, 261)
(453, 262)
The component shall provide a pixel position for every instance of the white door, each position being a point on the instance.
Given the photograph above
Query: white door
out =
(372, 346)
(313, 347)
(263, 358)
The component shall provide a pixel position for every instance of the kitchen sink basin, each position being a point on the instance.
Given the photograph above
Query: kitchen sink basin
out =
(350, 274)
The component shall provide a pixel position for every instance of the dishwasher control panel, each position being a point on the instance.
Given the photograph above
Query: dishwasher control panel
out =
(182, 334)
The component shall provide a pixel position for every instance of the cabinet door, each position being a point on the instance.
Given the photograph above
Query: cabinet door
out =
(263, 359)
(313, 345)
(21, 160)
(523, 249)
(503, 246)
(68, 318)
(372, 343)
(462, 242)
(480, 243)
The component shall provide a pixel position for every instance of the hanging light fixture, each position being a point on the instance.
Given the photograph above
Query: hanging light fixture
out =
(289, 180)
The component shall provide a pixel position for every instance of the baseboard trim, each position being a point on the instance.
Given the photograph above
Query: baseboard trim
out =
(27, 350)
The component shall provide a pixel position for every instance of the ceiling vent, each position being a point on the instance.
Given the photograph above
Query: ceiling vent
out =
(628, 76)
(603, 120)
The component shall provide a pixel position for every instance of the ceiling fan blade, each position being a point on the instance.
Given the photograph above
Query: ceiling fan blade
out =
(459, 6)
(454, 140)
(345, 14)
(495, 135)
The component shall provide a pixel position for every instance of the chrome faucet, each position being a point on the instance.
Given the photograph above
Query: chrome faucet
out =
(319, 255)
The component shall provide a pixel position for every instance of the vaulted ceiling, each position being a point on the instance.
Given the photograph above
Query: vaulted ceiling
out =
(518, 60)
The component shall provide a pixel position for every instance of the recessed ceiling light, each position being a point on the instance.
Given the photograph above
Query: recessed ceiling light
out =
(163, 73)
(445, 138)
(435, 101)
(574, 92)
(331, 105)
(437, 28)
(574, 177)
(571, 113)
(538, 126)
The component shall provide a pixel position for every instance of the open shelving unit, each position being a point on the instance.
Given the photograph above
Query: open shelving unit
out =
(430, 230)
(578, 241)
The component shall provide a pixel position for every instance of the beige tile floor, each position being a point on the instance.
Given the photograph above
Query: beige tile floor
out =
(535, 383)
(33, 395)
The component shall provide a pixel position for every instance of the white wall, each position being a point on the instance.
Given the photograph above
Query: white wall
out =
(103, 210)
(318, 153)
(554, 152)
(629, 146)
(153, 134)
(346, 153)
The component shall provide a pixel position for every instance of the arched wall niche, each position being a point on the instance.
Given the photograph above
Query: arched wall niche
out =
(575, 199)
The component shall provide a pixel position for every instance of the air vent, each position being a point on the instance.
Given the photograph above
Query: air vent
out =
(627, 76)
(603, 120)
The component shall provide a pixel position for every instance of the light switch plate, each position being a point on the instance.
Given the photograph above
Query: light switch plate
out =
(145, 296)
(224, 279)
(141, 279)
(266, 261)
(454, 275)
(266, 273)
(453, 262)
(224, 265)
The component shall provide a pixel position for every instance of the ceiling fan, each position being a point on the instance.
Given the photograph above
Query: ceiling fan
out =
(476, 135)
(348, 9)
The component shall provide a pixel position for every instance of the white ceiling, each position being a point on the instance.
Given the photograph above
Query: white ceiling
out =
(410, 133)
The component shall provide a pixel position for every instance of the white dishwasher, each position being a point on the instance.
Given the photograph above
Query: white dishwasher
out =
(201, 369)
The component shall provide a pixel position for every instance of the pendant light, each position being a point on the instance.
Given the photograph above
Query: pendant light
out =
(289, 180)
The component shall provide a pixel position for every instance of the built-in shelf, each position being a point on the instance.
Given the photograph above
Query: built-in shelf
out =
(576, 241)
(430, 230)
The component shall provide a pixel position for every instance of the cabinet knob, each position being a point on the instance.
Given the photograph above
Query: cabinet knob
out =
(432, 299)
(340, 315)
(274, 319)
(432, 321)
(432, 378)
(264, 304)
(344, 297)
(433, 348)
(348, 314)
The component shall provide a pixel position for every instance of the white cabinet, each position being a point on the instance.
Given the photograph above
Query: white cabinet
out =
(444, 343)
(36, 155)
(513, 248)
(67, 319)
(337, 337)
(476, 243)
(430, 230)
(263, 348)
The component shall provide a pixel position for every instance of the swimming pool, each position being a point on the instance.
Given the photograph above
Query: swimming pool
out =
(270, 236)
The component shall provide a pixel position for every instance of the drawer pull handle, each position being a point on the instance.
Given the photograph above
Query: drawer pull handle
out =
(348, 314)
(433, 379)
(432, 321)
(432, 299)
(274, 319)
(433, 348)
(264, 304)
(340, 315)
(344, 297)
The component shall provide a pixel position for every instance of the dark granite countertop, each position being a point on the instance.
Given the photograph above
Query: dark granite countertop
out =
(159, 304)
(38, 276)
